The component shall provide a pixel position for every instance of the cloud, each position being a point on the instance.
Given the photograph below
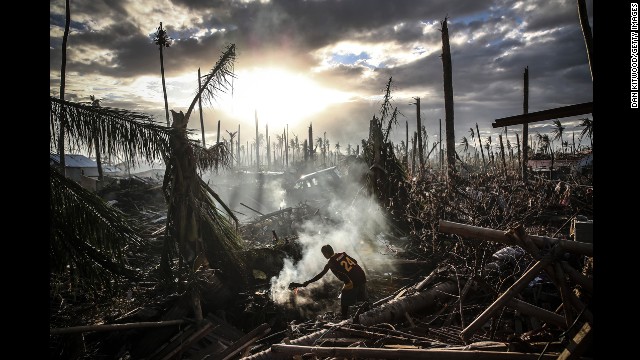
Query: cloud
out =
(350, 46)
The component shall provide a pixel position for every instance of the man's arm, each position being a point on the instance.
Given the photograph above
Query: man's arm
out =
(317, 277)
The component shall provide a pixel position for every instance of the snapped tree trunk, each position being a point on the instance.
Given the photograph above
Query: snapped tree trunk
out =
(484, 164)
(586, 32)
(448, 103)
(525, 127)
(419, 132)
(63, 67)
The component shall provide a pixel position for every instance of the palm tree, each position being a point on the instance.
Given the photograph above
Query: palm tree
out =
(203, 234)
(545, 143)
(319, 144)
(558, 130)
(87, 237)
(63, 67)
(163, 40)
(587, 130)
(465, 143)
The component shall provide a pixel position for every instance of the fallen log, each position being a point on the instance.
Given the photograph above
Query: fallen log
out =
(501, 237)
(115, 327)
(393, 310)
(289, 351)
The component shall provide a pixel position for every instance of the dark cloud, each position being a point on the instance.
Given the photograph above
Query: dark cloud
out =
(487, 67)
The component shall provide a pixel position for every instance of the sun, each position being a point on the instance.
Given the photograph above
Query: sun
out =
(279, 97)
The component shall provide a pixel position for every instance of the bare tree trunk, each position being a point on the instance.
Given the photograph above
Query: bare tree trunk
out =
(525, 127)
(257, 143)
(217, 143)
(448, 104)
(286, 145)
(406, 150)
(440, 154)
(518, 144)
(238, 160)
(63, 71)
(504, 162)
(305, 150)
(310, 144)
(419, 124)
(268, 146)
(413, 154)
(484, 164)
(204, 145)
(586, 32)
(164, 86)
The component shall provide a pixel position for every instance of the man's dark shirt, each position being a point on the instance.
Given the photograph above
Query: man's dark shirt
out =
(346, 268)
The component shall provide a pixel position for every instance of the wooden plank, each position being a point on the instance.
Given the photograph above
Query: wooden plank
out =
(549, 114)
(382, 353)
(578, 344)
(115, 327)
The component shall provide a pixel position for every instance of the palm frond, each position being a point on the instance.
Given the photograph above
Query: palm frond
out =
(207, 158)
(218, 79)
(117, 131)
(88, 238)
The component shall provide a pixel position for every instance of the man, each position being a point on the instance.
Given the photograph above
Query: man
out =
(345, 268)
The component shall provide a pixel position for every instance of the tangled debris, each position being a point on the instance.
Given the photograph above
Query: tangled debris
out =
(471, 277)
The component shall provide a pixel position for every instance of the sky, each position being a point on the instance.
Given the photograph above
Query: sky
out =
(326, 63)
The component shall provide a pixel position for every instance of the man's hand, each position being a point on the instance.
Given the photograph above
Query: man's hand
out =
(294, 285)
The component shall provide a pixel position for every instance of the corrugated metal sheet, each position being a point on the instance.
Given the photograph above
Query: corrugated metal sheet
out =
(81, 161)
(74, 161)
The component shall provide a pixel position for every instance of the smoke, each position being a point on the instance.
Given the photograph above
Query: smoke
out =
(351, 222)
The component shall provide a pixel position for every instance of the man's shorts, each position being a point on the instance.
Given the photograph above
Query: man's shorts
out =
(351, 296)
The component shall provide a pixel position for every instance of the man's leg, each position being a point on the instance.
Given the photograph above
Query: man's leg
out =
(347, 299)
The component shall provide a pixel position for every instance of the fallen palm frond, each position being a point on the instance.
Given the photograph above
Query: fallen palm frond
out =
(88, 238)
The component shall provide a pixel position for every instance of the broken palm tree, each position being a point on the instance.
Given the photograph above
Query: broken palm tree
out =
(204, 236)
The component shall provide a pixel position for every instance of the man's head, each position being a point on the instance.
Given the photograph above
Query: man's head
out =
(327, 251)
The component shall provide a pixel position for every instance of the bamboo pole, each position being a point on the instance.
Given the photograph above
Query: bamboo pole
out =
(289, 351)
(115, 327)
(476, 232)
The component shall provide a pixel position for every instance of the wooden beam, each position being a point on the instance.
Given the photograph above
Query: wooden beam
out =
(561, 112)
(578, 344)
(115, 327)
(480, 233)
(289, 351)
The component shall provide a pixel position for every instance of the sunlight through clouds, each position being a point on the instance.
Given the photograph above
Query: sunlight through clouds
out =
(279, 96)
